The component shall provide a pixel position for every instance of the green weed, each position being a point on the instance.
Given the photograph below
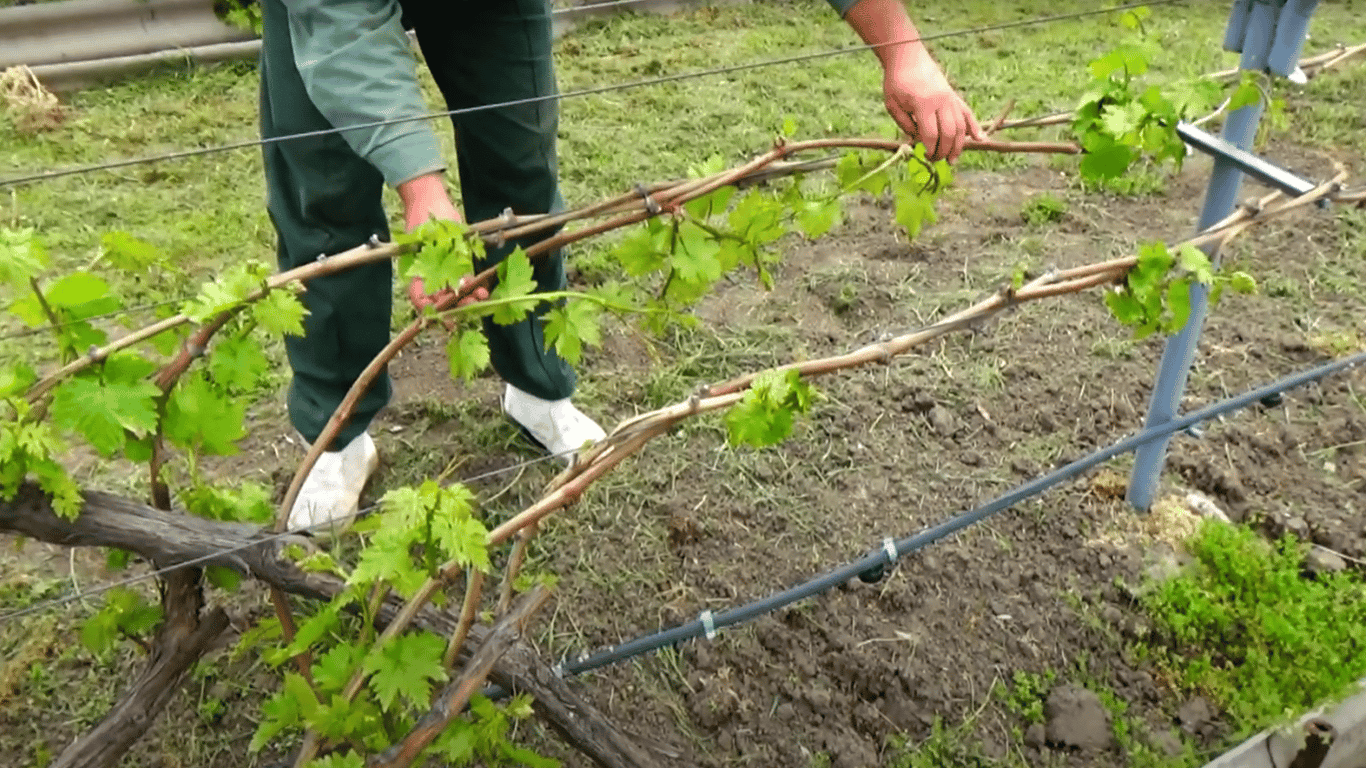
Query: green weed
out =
(946, 747)
(1043, 209)
(1246, 629)
(1025, 696)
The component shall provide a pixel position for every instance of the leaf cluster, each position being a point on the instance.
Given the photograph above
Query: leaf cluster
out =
(1156, 294)
(765, 414)
(1120, 120)
(416, 530)
(125, 614)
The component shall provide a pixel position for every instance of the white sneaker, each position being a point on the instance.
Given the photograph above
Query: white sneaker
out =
(330, 497)
(557, 425)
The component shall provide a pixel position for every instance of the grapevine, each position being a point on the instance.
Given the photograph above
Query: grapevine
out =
(177, 389)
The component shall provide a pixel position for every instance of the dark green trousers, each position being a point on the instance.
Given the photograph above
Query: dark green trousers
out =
(323, 198)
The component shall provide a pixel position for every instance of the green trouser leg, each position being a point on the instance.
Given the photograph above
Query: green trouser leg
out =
(488, 53)
(323, 199)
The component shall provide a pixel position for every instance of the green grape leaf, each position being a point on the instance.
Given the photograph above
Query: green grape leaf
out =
(1196, 262)
(1247, 93)
(280, 312)
(117, 559)
(456, 743)
(468, 354)
(126, 368)
(818, 218)
(347, 759)
(247, 502)
(1124, 307)
(100, 632)
(1122, 119)
(914, 206)
(223, 577)
(570, 327)
(515, 280)
(1190, 98)
(333, 669)
(388, 560)
(525, 757)
(22, 257)
(104, 413)
(710, 204)
(127, 252)
(406, 667)
(645, 249)
(231, 288)
(311, 631)
(77, 290)
(1242, 282)
(1105, 158)
(203, 417)
(286, 709)
(1134, 17)
(341, 719)
(67, 499)
(694, 260)
(435, 516)
(758, 218)
(125, 613)
(238, 364)
(445, 255)
(1179, 304)
(16, 378)
(765, 415)
(862, 170)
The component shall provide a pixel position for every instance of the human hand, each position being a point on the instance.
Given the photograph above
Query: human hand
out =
(921, 101)
(425, 198)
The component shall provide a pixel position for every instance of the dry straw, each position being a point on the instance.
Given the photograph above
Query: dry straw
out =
(33, 107)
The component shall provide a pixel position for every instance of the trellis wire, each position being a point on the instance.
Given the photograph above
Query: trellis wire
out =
(596, 90)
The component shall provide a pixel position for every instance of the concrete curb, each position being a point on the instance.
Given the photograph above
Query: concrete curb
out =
(1324, 739)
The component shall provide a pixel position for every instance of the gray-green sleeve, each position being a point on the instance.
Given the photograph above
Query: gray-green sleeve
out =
(842, 6)
(358, 67)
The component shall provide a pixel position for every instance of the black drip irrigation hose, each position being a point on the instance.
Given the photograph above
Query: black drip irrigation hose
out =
(873, 566)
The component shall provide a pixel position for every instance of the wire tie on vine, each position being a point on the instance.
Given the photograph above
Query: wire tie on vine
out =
(321, 258)
(93, 353)
(651, 204)
(695, 399)
(708, 624)
(195, 351)
(373, 242)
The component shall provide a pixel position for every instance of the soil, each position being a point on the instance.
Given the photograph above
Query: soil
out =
(1044, 588)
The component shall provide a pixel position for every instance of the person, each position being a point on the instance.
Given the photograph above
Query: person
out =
(347, 64)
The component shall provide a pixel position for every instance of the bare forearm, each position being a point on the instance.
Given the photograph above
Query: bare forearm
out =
(885, 25)
(917, 94)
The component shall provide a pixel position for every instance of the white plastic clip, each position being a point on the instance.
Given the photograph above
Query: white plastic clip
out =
(708, 624)
(889, 546)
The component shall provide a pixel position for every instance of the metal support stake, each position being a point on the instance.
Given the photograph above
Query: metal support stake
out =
(1252, 30)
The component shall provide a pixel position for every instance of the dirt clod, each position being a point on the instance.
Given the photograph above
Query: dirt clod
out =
(1319, 561)
(1076, 719)
(1197, 717)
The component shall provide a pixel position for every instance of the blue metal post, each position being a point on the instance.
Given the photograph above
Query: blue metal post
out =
(1252, 30)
